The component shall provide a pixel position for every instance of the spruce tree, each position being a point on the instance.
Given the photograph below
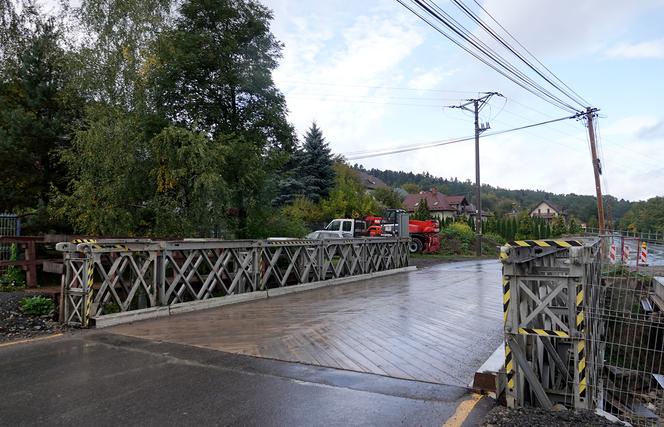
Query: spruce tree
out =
(316, 166)
(422, 212)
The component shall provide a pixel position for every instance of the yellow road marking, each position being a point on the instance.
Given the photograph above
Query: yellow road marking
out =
(462, 411)
(7, 344)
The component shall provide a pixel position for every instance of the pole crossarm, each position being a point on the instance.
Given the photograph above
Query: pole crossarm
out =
(477, 106)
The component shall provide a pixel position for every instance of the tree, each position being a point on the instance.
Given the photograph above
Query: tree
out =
(128, 181)
(558, 227)
(388, 198)
(348, 199)
(112, 65)
(526, 228)
(212, 72)
(645, 216)
(411, 188)
(422, 212)
(315, 165)
(36, 114)
(573, 228)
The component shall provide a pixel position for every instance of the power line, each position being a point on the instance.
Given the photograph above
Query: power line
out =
(446, 19)
(414, 147)
(379, 97)
(305, 82)
(528, 52)
(504, 43)
(436, 16)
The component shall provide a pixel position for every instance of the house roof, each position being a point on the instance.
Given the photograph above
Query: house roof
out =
(554, 207)
(436, 201)
(370, 182)
(455, 200)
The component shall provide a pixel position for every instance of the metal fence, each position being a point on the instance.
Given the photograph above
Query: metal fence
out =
(109, 276)
(582, 331)
(10, 225)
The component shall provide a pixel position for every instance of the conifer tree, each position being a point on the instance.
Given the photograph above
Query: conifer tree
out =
(316, 166)
(422, 212)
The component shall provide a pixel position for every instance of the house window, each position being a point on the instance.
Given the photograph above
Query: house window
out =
(539, 210)
(548, 210)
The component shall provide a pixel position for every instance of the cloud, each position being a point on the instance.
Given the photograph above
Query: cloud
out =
(325, 59)
(567, 27)
(652, 49)
(340, 60)
(655, 131)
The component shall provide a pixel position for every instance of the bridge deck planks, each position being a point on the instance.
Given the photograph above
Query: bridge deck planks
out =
(438, 324)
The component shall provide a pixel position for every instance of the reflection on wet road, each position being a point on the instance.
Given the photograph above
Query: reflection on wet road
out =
(438, 324)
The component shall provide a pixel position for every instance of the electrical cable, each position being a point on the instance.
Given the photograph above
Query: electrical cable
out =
(529, 53)
(494, 61)
(504, 43)
(413, 147)
(478, 57)
(447, 19)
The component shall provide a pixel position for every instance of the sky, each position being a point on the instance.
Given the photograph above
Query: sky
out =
(372, 75)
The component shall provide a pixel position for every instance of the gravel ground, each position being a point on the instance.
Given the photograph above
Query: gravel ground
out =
(501, 416)
(15, 325)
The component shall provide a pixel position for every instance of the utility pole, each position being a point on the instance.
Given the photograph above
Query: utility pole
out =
(478, 104)
(590, 114)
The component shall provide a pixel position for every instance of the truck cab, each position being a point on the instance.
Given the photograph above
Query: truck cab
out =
(341, 229)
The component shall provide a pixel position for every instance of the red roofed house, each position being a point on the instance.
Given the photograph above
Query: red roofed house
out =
(440, 205)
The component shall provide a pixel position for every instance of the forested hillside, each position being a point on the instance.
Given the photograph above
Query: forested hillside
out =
(500, 200)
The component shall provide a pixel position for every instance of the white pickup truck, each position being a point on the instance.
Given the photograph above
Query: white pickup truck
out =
(341, 229)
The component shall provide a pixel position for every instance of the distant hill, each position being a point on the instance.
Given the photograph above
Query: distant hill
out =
(500, 200)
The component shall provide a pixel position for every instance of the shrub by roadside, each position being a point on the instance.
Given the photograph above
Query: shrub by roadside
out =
(459, 239)
(16, 324)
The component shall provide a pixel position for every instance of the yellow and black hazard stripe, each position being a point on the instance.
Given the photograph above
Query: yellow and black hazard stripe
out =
(506, 297)
(509, 367)
(544, 243)
(543, 332)
(581, 345)
(121, 247)
(581, 350)
(580, 318)
(88, 300)
(84, 241)
(88, 241)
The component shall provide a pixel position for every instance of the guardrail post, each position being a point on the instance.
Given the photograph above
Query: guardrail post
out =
(160, 277)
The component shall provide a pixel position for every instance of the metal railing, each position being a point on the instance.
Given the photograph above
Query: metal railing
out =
(643, 235)
(108, 276)
(10, 225)
(582, 331)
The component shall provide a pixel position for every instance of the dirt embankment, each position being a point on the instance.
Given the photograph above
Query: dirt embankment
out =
(14, 324)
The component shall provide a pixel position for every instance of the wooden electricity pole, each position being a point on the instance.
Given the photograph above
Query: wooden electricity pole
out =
(590, 113)
(479, 128)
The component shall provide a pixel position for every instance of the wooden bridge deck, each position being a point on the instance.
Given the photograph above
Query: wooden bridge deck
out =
(437, 324)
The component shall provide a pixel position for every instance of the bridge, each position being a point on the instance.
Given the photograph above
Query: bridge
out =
(376, 341)
(341, 332)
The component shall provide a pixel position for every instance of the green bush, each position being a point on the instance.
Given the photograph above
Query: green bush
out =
(457, 239)
(37, 305)
(490, 243)
(13, 279)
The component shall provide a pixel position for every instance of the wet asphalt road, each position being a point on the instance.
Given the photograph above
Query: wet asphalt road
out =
(101, 378)
(104, 379)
